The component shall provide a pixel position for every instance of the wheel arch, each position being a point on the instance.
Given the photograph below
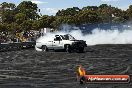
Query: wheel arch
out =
(66, 45)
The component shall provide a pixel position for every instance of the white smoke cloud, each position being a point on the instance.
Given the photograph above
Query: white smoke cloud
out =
(105, 37)
(97, 36)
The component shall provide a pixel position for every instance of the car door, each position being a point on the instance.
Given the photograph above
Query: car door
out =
(57, 43)
(50, 45)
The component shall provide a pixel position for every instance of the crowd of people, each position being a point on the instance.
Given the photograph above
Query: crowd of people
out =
(5, 37)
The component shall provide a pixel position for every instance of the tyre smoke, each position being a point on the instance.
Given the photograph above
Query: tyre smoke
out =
(97, 36)
(105, 37)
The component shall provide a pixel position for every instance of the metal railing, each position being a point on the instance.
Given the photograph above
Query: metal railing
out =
(16, 46)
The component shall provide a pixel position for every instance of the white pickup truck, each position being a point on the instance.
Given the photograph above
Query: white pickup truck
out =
(63, 42)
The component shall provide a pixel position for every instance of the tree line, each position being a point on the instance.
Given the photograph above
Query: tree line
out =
(25, 17)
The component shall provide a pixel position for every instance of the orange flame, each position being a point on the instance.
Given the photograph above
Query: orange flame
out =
(81, 71)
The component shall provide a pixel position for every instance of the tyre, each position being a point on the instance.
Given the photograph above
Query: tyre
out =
(44, 48)
(67, 48)
(81, 50)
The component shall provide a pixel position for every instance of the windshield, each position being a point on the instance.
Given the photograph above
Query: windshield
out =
(67, 37)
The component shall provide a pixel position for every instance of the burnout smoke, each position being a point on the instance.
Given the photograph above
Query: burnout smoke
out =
(105, 37)
(96, 37)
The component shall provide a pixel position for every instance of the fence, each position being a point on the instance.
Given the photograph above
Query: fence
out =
(16, 46)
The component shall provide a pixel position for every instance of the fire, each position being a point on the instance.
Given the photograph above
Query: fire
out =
(81, 71)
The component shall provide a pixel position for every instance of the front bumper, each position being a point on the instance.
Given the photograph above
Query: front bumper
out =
(77, 45)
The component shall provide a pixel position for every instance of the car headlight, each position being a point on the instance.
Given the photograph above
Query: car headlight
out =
(73, 43)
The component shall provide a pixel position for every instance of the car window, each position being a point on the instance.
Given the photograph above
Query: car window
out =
(57, 38)
(67, 37)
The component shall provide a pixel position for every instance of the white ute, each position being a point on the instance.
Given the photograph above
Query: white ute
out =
(61, 42)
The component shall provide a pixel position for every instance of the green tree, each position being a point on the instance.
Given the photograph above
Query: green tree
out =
(36, 25)
(103, 6)
(20, 17)
(26, 25)
(68, 12)
(57, 22)
(105, 13)
(87, 16)
(9, 6)
(46, 21)
(119, 16)
(3, 27)
(129, 12)
(29, 9)
(13, 27)
(93, 8)
(7, 12)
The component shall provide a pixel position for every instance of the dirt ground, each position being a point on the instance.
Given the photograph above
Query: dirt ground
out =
(32, 69)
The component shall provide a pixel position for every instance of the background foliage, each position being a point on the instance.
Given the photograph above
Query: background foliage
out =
(25, 17)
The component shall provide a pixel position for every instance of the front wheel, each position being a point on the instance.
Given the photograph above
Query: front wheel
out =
(67, 48)
(81, 49)
(44, 48)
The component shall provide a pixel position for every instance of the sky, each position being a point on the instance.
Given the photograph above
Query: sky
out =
(50, 7)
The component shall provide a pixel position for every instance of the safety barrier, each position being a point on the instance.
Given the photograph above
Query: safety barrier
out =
(16, 46)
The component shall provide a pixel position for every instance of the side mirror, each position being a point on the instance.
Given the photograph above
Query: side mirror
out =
(54, 39)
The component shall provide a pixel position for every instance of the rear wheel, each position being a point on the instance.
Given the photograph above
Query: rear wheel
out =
(44, 48)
